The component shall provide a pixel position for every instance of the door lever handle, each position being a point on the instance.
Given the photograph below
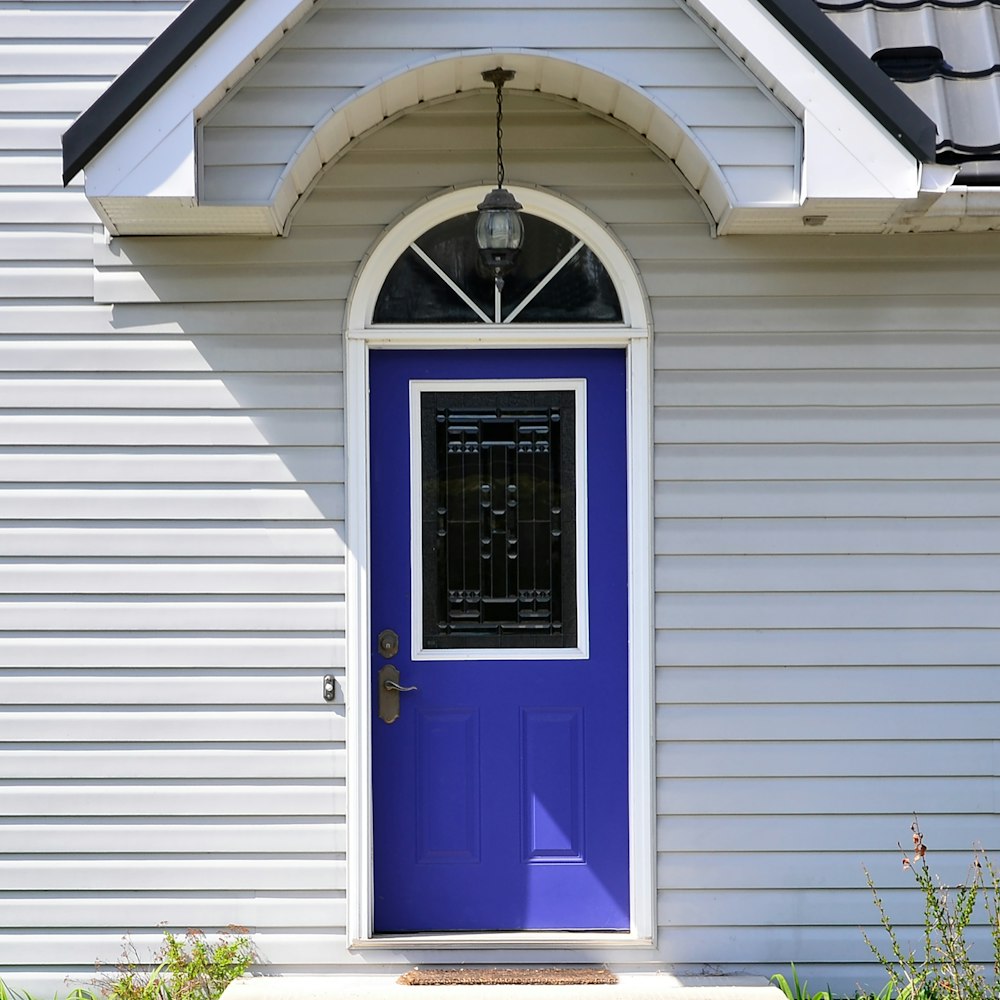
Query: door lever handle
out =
(393, 686)
(388, 693)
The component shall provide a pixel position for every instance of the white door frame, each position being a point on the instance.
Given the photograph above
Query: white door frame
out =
(634, 336)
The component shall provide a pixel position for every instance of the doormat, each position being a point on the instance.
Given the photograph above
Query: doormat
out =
(508, 977)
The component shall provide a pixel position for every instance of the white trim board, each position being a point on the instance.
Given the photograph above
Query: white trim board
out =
(361, 337)
(582, 648)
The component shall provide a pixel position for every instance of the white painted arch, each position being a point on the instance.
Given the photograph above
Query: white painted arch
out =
(633, 334)
(443, 77)
(457, 201)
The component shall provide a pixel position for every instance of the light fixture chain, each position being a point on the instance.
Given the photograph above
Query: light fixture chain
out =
(500, 169)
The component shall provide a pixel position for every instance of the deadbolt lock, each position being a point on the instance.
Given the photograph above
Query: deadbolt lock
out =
(388, 643)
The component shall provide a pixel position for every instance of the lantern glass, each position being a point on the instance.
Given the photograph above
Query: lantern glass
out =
(499, 229)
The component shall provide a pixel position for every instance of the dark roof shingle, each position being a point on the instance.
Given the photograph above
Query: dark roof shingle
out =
(960, 91)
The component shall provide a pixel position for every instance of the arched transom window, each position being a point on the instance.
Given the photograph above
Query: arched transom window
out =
(440, 279)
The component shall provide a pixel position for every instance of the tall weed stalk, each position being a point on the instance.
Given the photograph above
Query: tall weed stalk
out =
(945, 970)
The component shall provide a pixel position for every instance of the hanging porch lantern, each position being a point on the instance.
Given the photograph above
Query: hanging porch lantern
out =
(499, 227)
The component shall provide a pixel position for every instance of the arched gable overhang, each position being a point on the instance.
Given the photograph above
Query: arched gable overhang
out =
(442, 78)
(834, 163)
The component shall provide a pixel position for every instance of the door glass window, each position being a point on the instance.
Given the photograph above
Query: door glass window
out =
(498, 519)
(440, 279)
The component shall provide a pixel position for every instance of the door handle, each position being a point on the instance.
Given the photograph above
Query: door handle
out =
(393, 686)
(388, 693)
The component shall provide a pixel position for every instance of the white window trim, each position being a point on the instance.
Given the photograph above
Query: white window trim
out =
(633, 335)
(582, 648)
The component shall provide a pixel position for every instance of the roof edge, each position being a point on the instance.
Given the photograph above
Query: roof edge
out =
(179, 41)
(863, 80)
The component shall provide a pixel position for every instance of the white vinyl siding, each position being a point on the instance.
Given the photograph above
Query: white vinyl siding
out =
(171, 532)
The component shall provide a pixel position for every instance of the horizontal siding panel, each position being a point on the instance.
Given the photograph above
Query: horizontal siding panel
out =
(694, 63)
(20, 133)
(314, 245)
(853, 794)
(800, 460)
(35, 171)
(196, 504)
(326, 652)
(236, 391)
(291, 107)
(287, 353)
(179, 798)
(825, 424)
(874, 839)
(65, 23)
(785, 333)
(827, 757)
(405, 29)
(22, 281)
(206, 614)
(63, 244)
(826, 647)
(204, 763)
(75, 318)
(770, 947)
(233, 687)
(798, 870)
(928, 388)
(814, 906)
(802, 278)
(858, 572)
(199, 875)
(298, 465)
(318, 540)
(850, 722)
(215, 725)
(296, 947)
(761, 536)
(277, 909)
(209, 836)
(73, 57)
(315, 427)
(221, 283)
(896, 498)
(827, 685)
(791, 610)
(49, 96)
(206, 321)
(188, 577)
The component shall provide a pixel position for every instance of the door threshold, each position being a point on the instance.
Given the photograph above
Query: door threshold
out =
(503, 939)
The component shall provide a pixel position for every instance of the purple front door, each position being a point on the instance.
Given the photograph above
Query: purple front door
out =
(499, 560)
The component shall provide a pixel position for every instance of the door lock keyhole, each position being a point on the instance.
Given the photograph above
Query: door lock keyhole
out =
(388, 643)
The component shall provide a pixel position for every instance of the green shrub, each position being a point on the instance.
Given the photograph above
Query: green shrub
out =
(796, 990)
(9, 993)
(185, 968)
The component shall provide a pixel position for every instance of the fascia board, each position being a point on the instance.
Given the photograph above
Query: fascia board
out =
(166, 122)
(849, 154)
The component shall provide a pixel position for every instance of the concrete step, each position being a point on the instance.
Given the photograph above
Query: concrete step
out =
(631, 986)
